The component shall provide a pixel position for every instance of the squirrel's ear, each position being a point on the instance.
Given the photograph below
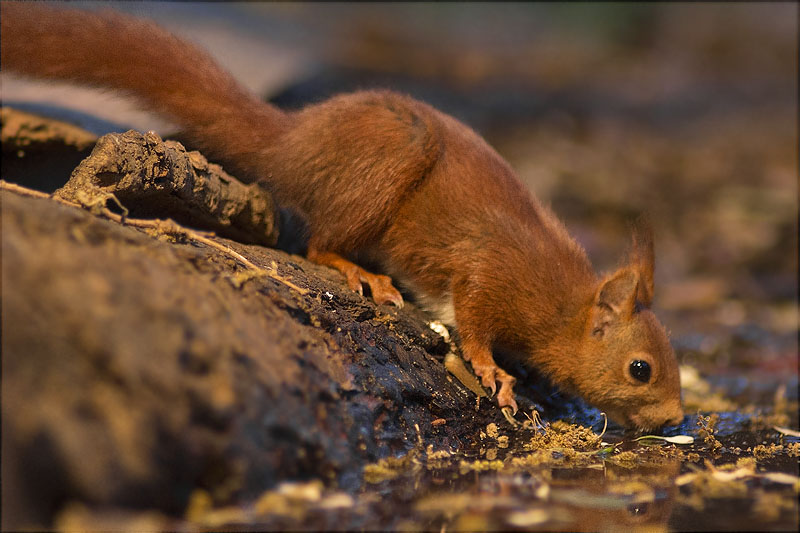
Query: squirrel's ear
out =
(641, 258)
(618, 293)
(616, 298)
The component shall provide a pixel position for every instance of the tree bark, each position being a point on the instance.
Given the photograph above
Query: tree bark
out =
(138, 367)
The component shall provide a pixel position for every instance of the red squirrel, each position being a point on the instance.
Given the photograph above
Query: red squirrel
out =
(382, 176)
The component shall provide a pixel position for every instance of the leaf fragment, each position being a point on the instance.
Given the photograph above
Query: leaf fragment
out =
(787, 431)
(677, 439)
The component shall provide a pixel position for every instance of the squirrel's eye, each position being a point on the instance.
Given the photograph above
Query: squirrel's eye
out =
(640, 370)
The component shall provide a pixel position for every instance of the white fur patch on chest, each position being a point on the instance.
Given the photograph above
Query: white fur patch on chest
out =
(441, 308)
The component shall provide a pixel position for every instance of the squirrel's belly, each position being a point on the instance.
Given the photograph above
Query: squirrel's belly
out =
(440, 306)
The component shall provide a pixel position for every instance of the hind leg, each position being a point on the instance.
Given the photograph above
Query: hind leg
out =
(383, 292)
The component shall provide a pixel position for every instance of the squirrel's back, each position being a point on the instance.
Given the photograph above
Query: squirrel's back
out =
(355, 153)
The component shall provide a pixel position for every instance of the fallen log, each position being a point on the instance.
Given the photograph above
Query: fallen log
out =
(141, 362)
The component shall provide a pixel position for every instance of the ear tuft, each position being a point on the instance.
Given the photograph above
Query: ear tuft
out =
(641, 257)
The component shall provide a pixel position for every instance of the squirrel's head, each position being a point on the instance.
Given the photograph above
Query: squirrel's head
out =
(628, 368)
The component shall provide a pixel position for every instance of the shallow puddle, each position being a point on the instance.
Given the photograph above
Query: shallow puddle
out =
(739, 473)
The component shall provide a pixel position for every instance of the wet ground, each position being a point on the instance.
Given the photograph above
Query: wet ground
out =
(740, 474)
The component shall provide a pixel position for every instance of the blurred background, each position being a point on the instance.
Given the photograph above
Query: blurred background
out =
(685, 111)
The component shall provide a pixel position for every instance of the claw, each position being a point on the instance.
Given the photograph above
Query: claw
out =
(505, 398)
(488, 381)
(354, 281)
(383, 292)
(507, 403)
(509, 415)
(396, 299)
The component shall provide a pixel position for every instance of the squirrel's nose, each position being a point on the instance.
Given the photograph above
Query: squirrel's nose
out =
(676, 417)
(675, 421)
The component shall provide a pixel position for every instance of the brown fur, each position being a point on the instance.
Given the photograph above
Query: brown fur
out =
(379, 174)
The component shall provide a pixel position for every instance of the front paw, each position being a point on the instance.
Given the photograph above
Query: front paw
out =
(487, 375)
(505, 398)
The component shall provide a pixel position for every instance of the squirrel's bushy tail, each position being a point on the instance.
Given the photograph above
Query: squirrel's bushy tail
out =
(167, 74)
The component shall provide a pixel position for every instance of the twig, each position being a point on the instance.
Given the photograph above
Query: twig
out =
(171, 227)
(535, 420)
(274, 275)
(167, 226)
(24, 191)
(605, 425)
